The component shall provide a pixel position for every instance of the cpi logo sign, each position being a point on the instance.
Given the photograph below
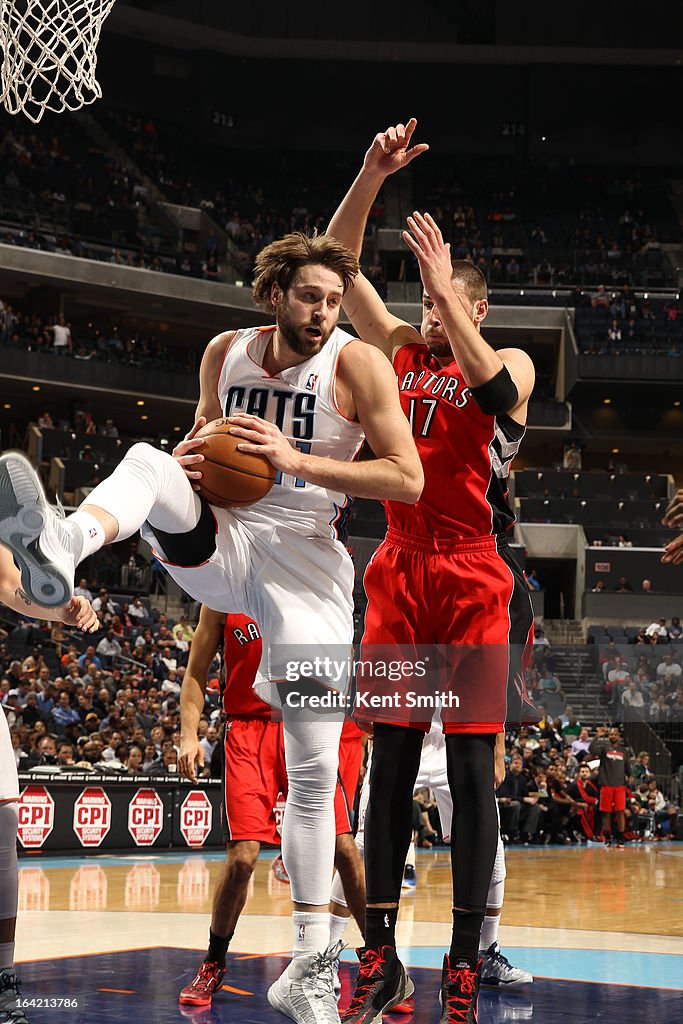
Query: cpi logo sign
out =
(92, 816)
(36, 817)
(196, 816)
(145, 817)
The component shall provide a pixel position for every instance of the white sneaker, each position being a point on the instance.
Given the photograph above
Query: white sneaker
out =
(497, 970)
(304, 992)
(34, 532)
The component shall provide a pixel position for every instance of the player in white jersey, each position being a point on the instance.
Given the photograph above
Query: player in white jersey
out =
(279, 560)
(497, 971)
(78, 612)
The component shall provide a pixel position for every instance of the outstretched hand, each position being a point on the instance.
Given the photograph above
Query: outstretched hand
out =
(433, 254)
(390, 150)
(79, 612)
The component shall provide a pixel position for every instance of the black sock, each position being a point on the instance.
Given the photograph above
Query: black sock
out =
(380, 926)
(218, 947)
(465, 937)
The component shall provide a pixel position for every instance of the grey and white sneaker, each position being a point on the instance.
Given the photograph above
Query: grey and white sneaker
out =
(43, 548)
(498, 972)
(304, 992)
(10, 1011)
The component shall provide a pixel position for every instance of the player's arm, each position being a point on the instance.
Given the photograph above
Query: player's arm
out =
(372, 321)
(206, 641)
(500, 382)
(77, 612)
(208, 407)
(366, 377)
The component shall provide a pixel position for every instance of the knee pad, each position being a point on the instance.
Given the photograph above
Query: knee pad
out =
(9, 870)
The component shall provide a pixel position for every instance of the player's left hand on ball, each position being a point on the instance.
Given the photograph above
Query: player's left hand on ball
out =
(184, 452)
(264, 438)
(79, 612)
(674, 513)
(673, 552)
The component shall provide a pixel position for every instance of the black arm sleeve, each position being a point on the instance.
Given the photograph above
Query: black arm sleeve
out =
(498, 395)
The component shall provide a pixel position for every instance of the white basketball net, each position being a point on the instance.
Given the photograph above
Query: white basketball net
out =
(49, 57)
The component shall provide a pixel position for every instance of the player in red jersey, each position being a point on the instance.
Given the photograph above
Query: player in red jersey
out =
(254, 775)
(443, 575)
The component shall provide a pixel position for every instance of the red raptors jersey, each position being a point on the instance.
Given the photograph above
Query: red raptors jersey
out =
(465, 453)
(241, 658)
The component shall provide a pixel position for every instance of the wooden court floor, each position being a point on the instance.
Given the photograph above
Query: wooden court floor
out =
(608, 924)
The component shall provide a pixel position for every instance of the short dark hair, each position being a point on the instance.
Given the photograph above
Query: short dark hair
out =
(280, 262)
(471, 279)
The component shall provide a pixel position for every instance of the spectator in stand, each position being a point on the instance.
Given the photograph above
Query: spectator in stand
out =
(208, 743)
(82, 589)
(623, 586)
(134, 762)
(665, 813)
(65, 754)
(657, 628)
(633, 702)
(109, 429)
(45, 421)
(532, 580)
(571, 727)
(641, 766)
(168, 763)
(669, 671)
(646, 587)
(61, 337)
(137, 611)
(581, 744)
(549, 683)
(109, 648)
(675, 631)
(103, 602)
(45, 752)
(614, 335)
(63, 714)
(599, 586)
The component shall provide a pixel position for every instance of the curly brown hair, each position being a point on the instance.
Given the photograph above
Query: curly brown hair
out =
(280, 261)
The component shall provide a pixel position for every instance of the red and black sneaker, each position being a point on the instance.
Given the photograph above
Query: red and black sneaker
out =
(382, 984)
(208, 981)
(459, 992)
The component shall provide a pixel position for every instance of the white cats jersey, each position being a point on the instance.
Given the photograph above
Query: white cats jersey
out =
(301, 401)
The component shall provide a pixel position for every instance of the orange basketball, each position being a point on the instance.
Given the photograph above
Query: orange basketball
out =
(230, 477)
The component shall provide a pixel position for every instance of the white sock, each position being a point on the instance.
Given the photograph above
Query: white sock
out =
(337, 927)
(311, 932)
(489, 931)
(410, 859)
(87, 532)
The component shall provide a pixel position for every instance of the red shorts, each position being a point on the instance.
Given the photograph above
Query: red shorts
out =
(613, 798)
(468, 604)
(254, 776)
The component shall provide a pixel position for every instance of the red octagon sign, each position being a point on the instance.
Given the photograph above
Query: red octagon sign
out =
(92, 816)
(36, 817)
(145, 817)
(196, 815)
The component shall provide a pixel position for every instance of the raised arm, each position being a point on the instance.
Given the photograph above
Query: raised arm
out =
(206, 641)
(389, 152)
(368, 381)
(501, 382)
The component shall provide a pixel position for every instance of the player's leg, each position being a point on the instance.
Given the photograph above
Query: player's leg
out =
(147, 485)
(9, 884)
(251, 779)
(229, 898)
(306, 988)
(382, 980)
(348, 885)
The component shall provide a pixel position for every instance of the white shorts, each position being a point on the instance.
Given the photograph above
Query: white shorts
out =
(433, 772)
(298, 588)
(9, 780)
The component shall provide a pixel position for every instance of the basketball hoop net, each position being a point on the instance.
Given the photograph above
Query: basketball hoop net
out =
(49, 54)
